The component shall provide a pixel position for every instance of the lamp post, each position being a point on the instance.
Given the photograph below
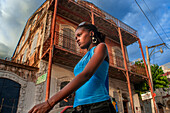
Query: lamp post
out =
(149, 68)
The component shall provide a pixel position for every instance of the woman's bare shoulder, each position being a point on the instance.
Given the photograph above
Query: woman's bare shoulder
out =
(101, 47)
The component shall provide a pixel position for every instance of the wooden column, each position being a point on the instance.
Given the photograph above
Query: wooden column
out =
(149, 80)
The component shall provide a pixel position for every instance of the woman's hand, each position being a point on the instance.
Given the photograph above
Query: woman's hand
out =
(41, 108)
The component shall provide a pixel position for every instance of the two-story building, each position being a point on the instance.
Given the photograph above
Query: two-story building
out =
(34, 48)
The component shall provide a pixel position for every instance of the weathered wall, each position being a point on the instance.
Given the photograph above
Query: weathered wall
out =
(26, 90)
(119, 90)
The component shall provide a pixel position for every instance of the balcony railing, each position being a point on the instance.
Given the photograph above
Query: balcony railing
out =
(69, 44)
(115, 60)
(107, 17)
(137, 69)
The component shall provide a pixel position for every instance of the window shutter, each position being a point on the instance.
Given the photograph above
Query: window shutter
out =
(34, 44)
(27, 34)
(24, 56)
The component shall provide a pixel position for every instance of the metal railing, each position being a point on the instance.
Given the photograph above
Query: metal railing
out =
(68, 43)
(107, 17)
(137, 69)
(116, 60)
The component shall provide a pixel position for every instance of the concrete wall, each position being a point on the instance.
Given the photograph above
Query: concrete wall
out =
(137, 105)
(32, 93)
(27, 95)
(117, 88)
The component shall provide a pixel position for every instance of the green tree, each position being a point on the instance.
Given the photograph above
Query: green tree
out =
(158, 80)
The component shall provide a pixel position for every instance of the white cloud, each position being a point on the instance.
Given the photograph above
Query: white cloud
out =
(13, 17)
(15, 13)
(4, 51)
(148, 36)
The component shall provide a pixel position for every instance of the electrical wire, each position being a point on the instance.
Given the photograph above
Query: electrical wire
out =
(156, 19)
(151, 24)
(156, 57)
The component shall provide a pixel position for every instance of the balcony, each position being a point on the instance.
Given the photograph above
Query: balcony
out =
(137, 69)
(105, 16)
(67, 52)
(77, 12)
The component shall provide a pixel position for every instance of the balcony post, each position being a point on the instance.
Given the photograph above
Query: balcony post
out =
(126, 68)
(51, 52)
(92, 15)
(149, 80)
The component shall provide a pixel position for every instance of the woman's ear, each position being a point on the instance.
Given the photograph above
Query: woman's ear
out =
(91, 33)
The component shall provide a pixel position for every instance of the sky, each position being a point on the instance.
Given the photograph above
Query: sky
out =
(15, 13)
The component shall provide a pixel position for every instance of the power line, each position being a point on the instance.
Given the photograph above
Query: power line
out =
(156, 19)
(151, 23)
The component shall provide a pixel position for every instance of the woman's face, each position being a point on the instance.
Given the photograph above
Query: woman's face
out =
(83, 38)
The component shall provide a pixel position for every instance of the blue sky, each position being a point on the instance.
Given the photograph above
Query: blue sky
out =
(15, 13)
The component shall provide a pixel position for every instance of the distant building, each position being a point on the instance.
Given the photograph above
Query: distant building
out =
(166, 67)
(32, 54)
(165, 93)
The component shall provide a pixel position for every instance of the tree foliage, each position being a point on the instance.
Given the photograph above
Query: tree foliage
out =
(158, 80)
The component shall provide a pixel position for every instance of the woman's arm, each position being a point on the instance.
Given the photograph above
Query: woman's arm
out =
(100, 54)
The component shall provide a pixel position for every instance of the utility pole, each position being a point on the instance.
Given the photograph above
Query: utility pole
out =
(149, 69)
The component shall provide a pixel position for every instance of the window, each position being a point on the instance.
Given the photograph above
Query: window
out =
(24, 56)
(35, 20)
(69, 99)
(34, 43)
(20, 45)
(9, 95)
(27, 34)
(117, 57)
(66, 38)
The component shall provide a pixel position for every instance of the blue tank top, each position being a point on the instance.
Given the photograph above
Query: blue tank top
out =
(96, 88)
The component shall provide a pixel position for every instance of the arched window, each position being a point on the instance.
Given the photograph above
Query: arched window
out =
(66, 38)
(34, 43)
(117, 57)
(9, 95)
(27, 34)
(24, 56)
(34, 20)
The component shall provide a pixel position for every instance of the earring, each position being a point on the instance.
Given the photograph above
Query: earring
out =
(94, 40)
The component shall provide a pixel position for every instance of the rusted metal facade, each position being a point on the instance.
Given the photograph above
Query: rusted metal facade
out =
(55, 22)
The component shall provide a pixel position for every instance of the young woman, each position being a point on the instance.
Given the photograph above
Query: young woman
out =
(91, 76)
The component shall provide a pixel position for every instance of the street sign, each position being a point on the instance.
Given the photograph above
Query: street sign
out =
(41, 78)
(146, 96)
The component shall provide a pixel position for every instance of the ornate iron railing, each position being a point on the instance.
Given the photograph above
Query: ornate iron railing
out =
(107, 17)
(137, 69)
(68, 43)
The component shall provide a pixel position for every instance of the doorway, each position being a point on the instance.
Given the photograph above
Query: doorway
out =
(125, 106)
(9, 95)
